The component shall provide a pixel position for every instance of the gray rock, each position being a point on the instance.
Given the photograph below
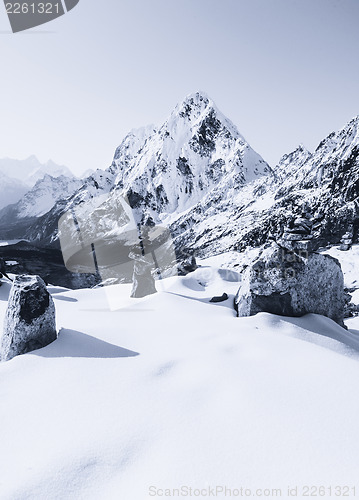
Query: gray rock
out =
(29, 319)
(300, 246)
(188, 265)
(285, 283)
(220, 298)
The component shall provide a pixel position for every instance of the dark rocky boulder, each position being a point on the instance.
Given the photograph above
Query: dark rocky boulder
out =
(30, 318)
(292, 284)
(221, 298)
(187, 265)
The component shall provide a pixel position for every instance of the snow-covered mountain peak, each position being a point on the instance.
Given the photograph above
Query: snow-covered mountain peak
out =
(197, 110)
(299, 151)
(290, 163)
(197, 148)
(193, 106)
(32, 159)
(342, 142)
(131, 146)
(302, 148)
(42, 197)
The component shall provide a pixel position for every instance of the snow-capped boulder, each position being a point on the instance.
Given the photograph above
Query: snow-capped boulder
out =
(292, 284)
(30, 318)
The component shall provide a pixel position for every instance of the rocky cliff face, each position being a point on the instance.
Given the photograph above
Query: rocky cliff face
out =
(328, 182)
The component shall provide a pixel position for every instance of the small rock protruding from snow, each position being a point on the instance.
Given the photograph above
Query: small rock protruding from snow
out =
(221, 298)
(188, 265)
(29, 319)
(292, 284)
(347, 239)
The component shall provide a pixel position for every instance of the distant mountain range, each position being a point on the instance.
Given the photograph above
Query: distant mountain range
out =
(197, 175)
(30, 170)
(17, 177)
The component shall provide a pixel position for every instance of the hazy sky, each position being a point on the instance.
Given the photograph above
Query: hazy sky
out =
(284, 71)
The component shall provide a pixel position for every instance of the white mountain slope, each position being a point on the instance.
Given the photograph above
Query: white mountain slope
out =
(43, 196)
(172, 391)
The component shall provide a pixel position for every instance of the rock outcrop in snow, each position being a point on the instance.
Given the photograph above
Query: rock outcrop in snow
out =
(292, 284)
(30, 318)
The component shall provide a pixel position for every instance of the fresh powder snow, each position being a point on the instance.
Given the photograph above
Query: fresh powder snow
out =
(172, 390)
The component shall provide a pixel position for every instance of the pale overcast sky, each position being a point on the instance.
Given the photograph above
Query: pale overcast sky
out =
(284, 71)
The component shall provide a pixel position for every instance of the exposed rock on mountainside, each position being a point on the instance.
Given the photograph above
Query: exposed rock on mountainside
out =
(327, 182)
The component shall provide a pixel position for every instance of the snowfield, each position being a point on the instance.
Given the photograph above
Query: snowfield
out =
(171, 391)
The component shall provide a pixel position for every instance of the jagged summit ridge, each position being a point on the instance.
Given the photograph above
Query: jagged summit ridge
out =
(171, 168)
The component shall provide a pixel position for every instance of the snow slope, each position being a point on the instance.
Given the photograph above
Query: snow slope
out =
(171, 390)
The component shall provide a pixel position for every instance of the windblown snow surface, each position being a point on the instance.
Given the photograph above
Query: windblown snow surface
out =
(140, 396)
